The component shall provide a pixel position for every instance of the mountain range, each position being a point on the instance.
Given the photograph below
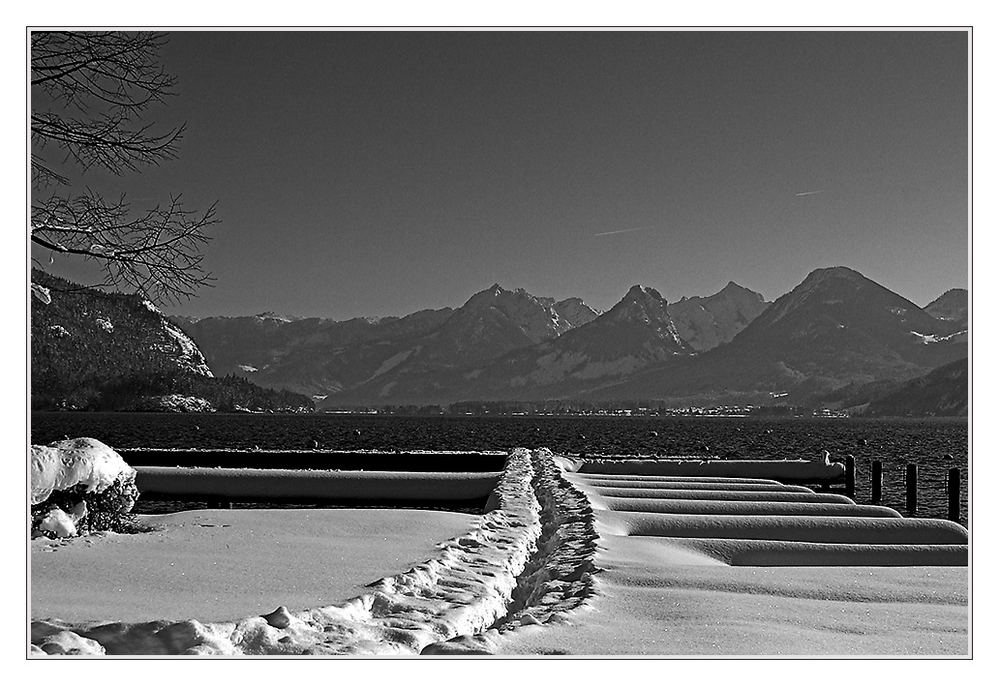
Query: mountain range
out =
(433, 355)
(836, 330)
(837, 327)
(837, 339)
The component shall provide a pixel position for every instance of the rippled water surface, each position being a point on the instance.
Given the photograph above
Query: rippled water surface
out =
(925, 442)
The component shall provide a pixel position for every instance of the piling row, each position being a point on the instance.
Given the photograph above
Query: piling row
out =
(910, 480)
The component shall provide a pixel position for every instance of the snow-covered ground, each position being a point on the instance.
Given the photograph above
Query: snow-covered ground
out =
(808, 575)
(462, 591)
(222, 564)
(570, 562)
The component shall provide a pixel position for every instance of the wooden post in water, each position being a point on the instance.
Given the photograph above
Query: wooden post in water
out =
(911, 488)
(954, 490)
(876, 481)
(849, 475)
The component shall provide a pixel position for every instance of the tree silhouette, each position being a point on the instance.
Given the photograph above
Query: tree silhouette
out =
(89, 91)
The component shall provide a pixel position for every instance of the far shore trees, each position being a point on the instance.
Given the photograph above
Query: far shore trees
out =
(89, 91)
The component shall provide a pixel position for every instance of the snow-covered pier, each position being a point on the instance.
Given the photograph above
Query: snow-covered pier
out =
(226, 485)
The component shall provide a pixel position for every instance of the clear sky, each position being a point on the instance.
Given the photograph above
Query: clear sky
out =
(382, 173)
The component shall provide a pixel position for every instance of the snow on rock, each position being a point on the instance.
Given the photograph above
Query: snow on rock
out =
(58, 330)
(173, 403)
(41, 293)
(575, 311)
(105, 324)
(70, 643)
(190, 356)
(538, 317)
(58, 523)
(270, 316)
(279, 618)
(75, 462)
(933, 338)
(528, 560)
(705, 322)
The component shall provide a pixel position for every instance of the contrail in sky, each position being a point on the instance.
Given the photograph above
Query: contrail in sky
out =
(622, 231)
(807, 193)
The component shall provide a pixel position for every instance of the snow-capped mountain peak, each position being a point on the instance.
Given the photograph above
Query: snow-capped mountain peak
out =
(707, 321)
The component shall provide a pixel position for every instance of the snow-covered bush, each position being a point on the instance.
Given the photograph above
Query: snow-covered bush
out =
(79, 485)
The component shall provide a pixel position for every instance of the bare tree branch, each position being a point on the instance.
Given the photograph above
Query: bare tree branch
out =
(119, 75)
(157, 252)
(90, 91)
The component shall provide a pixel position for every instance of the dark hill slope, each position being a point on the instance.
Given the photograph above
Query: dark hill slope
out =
(952, 305)
(96, 350)
(309, 355)
(944, 391)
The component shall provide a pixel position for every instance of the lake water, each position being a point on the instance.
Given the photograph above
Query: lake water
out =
(895, 442)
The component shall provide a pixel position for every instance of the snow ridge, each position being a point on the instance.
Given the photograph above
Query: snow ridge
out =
(559, 577)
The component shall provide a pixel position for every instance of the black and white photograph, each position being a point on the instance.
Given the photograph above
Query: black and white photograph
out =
(498, 342)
